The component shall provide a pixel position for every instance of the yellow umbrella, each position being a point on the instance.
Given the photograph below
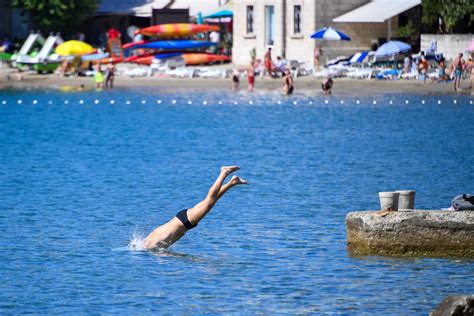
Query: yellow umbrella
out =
(74, 48)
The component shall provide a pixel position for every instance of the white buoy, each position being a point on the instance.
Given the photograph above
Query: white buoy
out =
(278, 102)
(326, 101)
(374, 102)
(4, 102)
(19, 101)
(158, 101)
(422, 101)
(470, 102)
(439, 101)
(358, 102)
(50, 102)
(81, 101)
(204, 102)
(96, 101)
(406, 101)
(174, 101)
(391, 102)
(35, 101)
(295, 102)
(250, 102)
(455, 101)
(342, 101)
(66, 102)
(143, 101)
(310, 102)
(220, 102)
(112, 101)
(190, 102)
(127, 102)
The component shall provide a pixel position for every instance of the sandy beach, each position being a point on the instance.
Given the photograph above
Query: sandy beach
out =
(342, 86)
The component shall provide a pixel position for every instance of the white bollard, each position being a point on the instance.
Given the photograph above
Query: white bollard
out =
(406, 200)
(389, 201)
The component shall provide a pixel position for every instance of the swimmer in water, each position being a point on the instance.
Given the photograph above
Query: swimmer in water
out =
(167, 234)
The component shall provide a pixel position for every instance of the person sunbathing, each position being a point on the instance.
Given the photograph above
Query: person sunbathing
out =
(170, 232)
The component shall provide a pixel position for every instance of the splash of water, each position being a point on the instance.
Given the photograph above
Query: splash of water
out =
(137, 240)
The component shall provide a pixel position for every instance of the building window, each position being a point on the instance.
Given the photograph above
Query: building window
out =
(269, 25)
(297, 19)
(249, 19)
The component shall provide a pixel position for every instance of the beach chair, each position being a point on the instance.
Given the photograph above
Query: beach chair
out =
(360, 73)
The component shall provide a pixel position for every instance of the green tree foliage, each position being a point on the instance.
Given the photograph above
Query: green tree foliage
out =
(457, 15)
(57, 15)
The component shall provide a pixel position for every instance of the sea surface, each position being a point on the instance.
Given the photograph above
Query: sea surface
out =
(85, 174)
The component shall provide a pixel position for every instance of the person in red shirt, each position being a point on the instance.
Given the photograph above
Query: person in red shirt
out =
(113, 33)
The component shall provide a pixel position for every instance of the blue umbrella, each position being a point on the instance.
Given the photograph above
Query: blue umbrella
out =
(328, 33)
(392, 48)
(220, 14)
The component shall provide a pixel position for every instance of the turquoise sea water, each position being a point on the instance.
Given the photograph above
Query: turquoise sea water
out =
(83, 174)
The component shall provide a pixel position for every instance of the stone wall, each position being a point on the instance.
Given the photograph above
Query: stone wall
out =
(450, 44)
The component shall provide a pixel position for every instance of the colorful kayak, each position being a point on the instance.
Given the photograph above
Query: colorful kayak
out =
(189, 58)
(201, 58)
(176, 30)
(174, 45)
(133, 44)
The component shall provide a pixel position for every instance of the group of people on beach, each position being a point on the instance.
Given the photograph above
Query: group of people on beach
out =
(277, 69)
(457, 70)
(106, 77)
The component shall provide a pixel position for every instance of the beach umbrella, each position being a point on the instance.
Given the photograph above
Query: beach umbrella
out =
(220, 14)
(392, 48)
(470, 47)
(74, 48)
(330, 34)
(224, 11)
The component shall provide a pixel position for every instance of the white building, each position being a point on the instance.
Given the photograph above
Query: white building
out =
(286, 26)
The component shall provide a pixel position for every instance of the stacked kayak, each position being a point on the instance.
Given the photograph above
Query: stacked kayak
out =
(147, 52)
(176, 30)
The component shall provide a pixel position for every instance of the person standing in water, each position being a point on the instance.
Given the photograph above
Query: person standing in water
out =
(110, 75)
(99, 77)
(288, 86)
(251, 75)
(170, 232)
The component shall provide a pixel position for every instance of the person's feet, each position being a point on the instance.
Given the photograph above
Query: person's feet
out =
(226, 170)
(236, 180)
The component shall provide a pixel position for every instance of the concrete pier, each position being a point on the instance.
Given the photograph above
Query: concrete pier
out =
(411, 233)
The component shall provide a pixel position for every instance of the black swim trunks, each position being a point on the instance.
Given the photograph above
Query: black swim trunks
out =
(183, 217)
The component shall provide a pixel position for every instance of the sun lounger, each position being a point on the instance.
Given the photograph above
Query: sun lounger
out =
(360, 73)
(181, 72)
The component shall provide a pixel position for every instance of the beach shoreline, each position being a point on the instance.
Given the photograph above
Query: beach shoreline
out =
(307, 84)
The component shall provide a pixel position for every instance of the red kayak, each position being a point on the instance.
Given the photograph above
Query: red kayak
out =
(176, 30)
(132, 44)
(202, 58)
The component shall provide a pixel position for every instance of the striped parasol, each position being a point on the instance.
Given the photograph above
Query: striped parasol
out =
(392, 48)
(470, 47)
(328, 33)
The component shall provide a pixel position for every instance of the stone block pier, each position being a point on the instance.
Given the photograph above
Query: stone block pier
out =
(411, 233)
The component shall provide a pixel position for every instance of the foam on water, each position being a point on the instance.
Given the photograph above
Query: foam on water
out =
(136, 242)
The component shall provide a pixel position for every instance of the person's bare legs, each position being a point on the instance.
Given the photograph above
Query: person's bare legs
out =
(196, 213)
(170, 232)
